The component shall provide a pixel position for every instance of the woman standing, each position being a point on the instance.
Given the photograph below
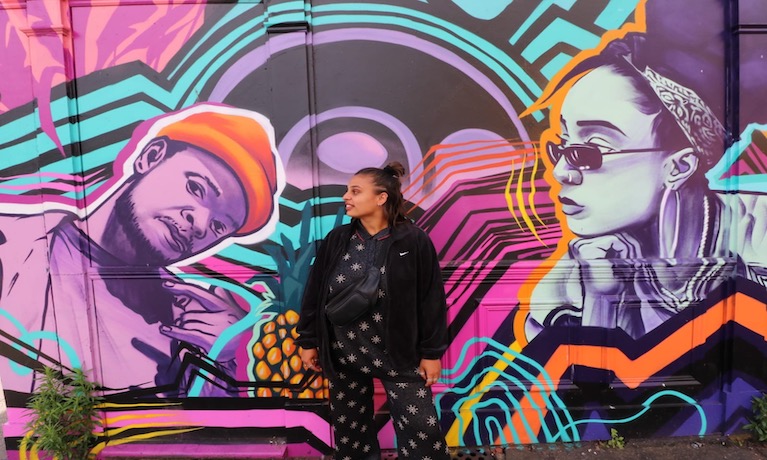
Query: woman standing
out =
(399, 340)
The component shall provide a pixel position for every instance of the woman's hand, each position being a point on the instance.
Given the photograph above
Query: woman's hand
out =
(311, 359)
(429, 370)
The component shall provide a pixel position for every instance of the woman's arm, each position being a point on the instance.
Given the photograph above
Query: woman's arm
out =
(432, 307)
(313, 295)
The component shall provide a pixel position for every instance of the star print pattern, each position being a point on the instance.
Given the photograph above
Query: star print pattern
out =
(359, 344)
(415, 419)
(360, 353)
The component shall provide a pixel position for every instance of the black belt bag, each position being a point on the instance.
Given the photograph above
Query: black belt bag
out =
(358, 298)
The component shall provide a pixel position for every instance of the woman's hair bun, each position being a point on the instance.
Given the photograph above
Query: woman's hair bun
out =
(395, 168)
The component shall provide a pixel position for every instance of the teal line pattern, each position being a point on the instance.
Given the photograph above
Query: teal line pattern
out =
(555, 65)
(485, 9)
(615, 13)
(236, 11)
(269, 298)
(24, 124)
(559, 31)
(565, 432)
(547, 388)
(647, 405)
(537, 13)
(213, 59)
(473, 44)
(31, 337)
(254, 319)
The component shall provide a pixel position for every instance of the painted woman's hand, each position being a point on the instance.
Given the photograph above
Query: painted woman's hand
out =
(606, 263)
(602, 260)
(201, 315)
(429, 370)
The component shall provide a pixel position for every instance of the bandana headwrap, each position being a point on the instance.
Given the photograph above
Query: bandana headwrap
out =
(698, 122)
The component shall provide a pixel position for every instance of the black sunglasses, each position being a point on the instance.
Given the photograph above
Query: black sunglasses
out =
(584, 156)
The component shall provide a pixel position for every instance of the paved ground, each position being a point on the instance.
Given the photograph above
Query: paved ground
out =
(710, 448)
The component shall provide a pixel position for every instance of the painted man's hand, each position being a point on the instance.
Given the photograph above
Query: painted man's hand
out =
(201, 315)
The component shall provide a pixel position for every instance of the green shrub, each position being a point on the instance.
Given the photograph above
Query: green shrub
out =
(616, 441)
(64, 409)
(758, 424)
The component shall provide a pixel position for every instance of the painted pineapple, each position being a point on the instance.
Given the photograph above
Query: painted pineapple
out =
(276, 353)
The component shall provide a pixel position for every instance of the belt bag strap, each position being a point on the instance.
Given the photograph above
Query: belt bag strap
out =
(358, 298)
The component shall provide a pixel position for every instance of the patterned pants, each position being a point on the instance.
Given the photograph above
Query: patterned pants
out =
(412, 411)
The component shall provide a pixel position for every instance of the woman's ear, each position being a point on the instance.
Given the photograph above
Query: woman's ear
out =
(679, 167)
(153, 154)
(383, 197)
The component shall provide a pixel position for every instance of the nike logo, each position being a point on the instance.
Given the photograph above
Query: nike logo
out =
(404, 253)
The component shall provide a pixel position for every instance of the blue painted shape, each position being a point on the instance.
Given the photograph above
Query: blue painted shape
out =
(646, 406)
(545, 387)
(12, 129)
(615, 13)
(31, 337)
(555, 65)
(285, 12)
(463, 38)
(745, 183)
(231, 15)
(537, 13)
(485, 9)
(559, 31)
(253, 320)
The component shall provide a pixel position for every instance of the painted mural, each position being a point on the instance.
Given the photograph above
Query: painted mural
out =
(592, 175)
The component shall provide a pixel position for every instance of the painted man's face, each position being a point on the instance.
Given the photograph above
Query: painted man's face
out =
(184, 205)
(600, 109)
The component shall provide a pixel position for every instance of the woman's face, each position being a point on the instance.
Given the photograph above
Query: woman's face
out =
(625, 192)
(363, 198)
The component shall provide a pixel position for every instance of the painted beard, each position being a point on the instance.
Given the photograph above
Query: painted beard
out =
(128, 241)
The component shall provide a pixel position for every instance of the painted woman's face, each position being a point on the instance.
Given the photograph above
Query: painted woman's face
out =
(624, 192)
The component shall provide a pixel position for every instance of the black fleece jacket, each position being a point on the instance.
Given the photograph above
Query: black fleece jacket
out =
(415, 312)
